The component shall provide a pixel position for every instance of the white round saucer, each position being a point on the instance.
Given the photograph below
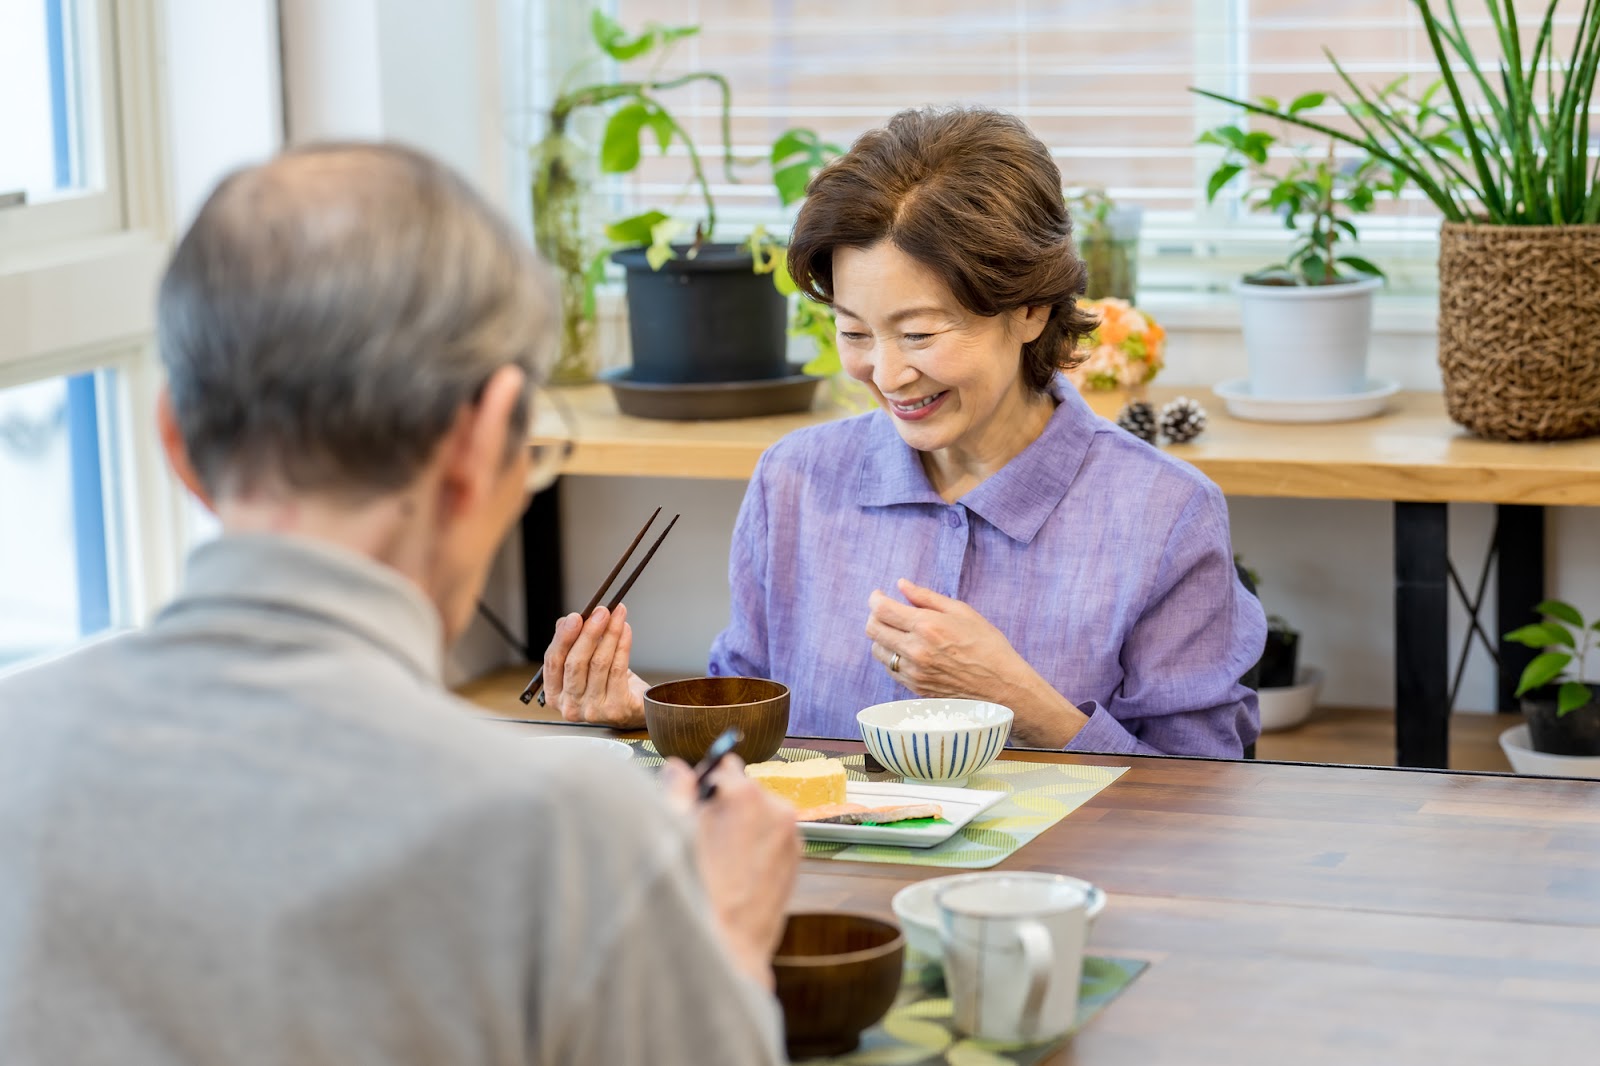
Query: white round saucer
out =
(1242, 403)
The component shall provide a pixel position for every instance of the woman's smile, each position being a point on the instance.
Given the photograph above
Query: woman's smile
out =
(918, 409)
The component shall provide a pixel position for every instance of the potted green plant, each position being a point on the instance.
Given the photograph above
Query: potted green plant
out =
(1307, 321)
(697, 311)
(1559, 699)
(1512, 175)
(1286, 692)
(1108, 242)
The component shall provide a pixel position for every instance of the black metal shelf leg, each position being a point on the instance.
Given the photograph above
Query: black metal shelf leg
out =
(541, 567)
(1422, 634)
(1519, 543)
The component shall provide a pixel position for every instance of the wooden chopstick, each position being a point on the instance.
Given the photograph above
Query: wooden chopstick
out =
(594, 601)
(616, 600)
(537, 683)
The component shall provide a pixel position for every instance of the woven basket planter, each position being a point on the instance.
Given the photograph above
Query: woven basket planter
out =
(1519, 329)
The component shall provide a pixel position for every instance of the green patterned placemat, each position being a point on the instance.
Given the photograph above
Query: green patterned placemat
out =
(1039, 794)
(919, 1029)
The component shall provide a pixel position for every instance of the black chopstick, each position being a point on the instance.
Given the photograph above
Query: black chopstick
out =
(594, 601)
(714, 755)
(616, 600)
(537, 683)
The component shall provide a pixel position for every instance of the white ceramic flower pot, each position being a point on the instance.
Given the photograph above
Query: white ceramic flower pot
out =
(1307, 340)
(1285, 708)
(1518, 747)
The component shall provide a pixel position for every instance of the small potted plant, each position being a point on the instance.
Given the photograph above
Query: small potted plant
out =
(696, 310)
(1108, 241)
(563, 170)
(1307, 321)
(1285, 692)
(1502, 144)
(1559, 696)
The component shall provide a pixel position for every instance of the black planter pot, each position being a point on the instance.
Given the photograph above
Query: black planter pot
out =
(1574, 733)
(707, 319)
(1280, 661)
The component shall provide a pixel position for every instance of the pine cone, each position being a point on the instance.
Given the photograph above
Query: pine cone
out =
(1140, 420)
(1182, 420)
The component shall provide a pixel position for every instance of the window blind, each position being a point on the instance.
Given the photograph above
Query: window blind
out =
(1103, 82)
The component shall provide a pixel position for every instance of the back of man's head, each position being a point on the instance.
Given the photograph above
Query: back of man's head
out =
(329, 312)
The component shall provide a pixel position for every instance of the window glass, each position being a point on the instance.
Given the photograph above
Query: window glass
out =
(61, 561)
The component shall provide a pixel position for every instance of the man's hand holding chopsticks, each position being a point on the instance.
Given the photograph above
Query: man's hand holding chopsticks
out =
(586, 675)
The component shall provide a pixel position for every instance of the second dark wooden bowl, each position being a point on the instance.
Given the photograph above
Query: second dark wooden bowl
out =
(684, 717)
(836, 974)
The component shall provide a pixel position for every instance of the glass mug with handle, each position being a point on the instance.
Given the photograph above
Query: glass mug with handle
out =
(1013, 955)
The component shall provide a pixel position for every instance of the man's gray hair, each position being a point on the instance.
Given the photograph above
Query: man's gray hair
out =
(329, 312)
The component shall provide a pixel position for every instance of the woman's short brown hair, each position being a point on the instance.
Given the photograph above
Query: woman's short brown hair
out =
(971, 194)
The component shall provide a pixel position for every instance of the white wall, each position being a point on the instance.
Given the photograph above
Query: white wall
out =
(223, 93)
(1328, 564)
(429, 74)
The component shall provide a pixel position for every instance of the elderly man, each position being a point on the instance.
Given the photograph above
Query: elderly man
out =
(260, 831)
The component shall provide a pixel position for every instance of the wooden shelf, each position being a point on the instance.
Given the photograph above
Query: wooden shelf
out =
(1411, 453)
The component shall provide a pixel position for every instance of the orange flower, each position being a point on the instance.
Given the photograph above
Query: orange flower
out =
(1115, 322)
(1127, 349)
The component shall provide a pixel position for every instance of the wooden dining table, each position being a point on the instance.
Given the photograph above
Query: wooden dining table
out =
(1300, 914)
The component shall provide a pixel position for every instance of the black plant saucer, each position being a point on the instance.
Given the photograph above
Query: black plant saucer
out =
(704, 401)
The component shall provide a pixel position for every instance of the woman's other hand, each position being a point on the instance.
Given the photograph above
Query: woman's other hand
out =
(945, 648)
(586, 675)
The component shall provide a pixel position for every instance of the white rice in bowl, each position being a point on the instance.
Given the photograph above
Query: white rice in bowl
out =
(934, 720)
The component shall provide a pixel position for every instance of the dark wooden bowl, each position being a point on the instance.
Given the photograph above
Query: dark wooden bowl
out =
(684, 717)
(837, 973)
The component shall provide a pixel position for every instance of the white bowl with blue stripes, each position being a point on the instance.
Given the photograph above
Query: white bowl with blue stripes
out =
(936, 754)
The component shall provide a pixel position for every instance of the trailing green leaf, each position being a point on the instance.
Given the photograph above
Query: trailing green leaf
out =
(1542, 635)
(1305, 102)
(615, 42)
(1571, 696)
(796, 155)
(661, 237)
(1224, 174)
(619, 149)
(1365, 266)
(1543, 670)
(1561, 610)
(635, 230)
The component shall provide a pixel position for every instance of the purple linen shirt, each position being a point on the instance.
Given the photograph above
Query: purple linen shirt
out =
(1104, 561)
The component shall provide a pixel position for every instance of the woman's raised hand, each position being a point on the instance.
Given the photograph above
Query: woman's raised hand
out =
(586, 675)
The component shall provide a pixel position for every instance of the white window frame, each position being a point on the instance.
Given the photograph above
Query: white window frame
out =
(78, 295)
(100, 210)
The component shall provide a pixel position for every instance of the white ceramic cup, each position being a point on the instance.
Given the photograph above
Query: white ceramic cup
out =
(1013, 956)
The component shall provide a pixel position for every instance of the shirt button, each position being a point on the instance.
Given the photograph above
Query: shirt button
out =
(952, 518)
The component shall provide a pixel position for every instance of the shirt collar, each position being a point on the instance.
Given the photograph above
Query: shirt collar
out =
(1016, 499)
(322, 580)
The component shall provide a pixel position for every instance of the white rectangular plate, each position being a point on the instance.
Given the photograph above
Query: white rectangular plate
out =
(961, 805)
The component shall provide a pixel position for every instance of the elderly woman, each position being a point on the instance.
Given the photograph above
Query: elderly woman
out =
(983, 534)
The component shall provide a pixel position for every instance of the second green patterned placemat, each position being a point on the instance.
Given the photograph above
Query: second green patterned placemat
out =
(1038, 795)
(919, 1029)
